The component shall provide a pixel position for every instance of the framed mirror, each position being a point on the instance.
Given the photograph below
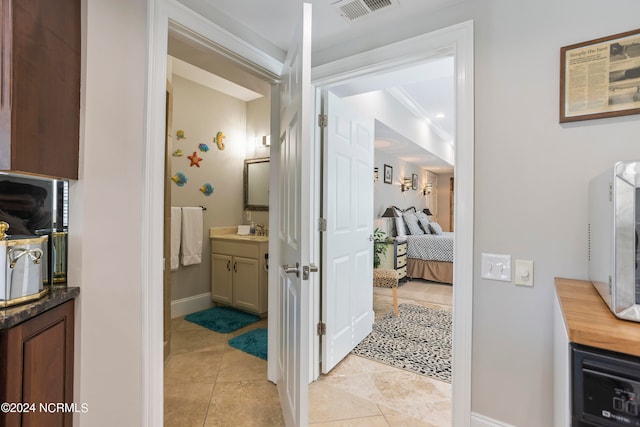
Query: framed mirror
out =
(256, 184)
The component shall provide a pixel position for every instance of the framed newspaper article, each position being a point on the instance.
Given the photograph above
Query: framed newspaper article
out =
(600, 78)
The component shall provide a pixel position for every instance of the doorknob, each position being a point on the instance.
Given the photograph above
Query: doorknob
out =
(311, 268)
(292, 269)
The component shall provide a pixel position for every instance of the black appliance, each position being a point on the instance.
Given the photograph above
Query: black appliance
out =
(605, 388)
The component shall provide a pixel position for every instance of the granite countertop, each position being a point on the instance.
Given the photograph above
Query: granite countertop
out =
(590, 322)
(11, 316)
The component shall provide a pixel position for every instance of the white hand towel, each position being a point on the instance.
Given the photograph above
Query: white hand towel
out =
(191, 235)
(176, 235)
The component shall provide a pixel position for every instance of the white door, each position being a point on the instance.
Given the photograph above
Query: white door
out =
(347, 283)
(294, 229)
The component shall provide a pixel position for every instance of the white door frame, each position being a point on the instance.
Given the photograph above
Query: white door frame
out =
(456, 40)
(162, 15)
(166, 13)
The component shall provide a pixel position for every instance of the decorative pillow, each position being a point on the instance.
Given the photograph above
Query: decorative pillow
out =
(412, 223)
(435, 228)
(401, 228)
(423, 219)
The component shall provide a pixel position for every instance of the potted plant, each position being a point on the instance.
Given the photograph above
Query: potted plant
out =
(380, 240)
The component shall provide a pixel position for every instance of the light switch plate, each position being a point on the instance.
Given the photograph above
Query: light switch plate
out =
(524, 272)
(496, 267)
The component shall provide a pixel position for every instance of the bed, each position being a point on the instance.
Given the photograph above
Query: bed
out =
(429, 249)
(430, 257)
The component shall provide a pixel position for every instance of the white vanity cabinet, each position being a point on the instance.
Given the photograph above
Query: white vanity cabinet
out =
(239, 271)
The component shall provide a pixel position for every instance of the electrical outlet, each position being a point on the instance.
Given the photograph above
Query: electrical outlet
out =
(524, 272)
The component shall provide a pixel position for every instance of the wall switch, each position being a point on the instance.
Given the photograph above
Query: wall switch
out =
(496, 267)
(524, 273)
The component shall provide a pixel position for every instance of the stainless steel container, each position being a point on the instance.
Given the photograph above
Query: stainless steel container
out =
(20, 262)
(614, 225)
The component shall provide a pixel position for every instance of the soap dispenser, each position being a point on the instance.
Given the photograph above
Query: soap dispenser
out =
(252, 228)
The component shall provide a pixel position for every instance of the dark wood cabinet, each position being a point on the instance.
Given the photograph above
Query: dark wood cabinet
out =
(40, 88)
(36, 368)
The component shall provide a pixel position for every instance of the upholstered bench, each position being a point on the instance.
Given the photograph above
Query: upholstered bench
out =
(386, 278)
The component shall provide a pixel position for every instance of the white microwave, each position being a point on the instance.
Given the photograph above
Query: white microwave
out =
(614, 220)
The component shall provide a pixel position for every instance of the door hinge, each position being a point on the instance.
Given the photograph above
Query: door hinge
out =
(610, 192)
(322, 120)
(322, 224)
(322, 328)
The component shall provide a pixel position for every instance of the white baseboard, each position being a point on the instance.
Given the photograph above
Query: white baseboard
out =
(478, 420)
(188, 305)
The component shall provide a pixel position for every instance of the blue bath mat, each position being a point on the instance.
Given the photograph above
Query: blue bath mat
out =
(252, 342)
(222, 319)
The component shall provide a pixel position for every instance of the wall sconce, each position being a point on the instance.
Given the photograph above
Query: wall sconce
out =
(427, 189)
(405, 185)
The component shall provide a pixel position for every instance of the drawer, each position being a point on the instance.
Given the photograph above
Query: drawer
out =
(402, 248)
(401, 261)
(247, 250)
(402, 272)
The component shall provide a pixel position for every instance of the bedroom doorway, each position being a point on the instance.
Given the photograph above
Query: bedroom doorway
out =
(456, 40)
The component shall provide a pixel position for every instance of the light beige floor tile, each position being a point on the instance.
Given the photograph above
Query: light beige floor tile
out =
(185, 405)
(237, 366)
(329, 403)
(193, 367)
(377, 421)
(187, 340)
(399, 419)
(244, 403)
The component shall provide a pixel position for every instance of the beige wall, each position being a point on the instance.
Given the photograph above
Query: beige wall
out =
(201, 112)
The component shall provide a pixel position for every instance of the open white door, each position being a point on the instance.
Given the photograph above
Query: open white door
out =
(347, 283)
(294, 228)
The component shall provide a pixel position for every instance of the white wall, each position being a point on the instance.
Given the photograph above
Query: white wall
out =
(387, 195)
(531, 176)
(105, 232)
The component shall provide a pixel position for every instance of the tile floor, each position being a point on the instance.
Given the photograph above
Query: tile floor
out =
(209, 383)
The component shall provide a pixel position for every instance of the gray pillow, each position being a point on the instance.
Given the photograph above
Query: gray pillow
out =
(423, 219)
(435, 228)
(412, 223)
(401, 228)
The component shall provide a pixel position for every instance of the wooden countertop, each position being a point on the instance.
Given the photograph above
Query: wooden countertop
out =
(590, 322)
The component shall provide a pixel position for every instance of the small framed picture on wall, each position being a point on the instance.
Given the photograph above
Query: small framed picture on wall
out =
(388, 174)
(414, 181)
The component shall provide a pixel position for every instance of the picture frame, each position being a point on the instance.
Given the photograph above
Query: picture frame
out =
(600, 78)
(388, 174)
(414, 181)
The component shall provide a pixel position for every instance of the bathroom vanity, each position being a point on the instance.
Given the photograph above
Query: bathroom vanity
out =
(239, 270)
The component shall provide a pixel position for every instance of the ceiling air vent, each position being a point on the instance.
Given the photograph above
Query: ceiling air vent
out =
(354, 9)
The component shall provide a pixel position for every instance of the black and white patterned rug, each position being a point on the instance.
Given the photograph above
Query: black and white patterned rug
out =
(418, 340)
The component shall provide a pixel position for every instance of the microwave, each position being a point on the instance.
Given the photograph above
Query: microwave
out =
(614, 219)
